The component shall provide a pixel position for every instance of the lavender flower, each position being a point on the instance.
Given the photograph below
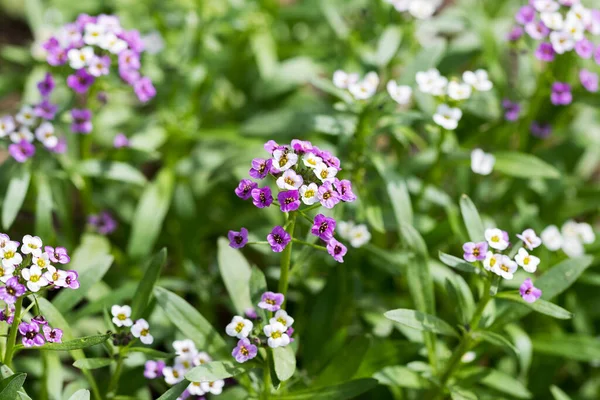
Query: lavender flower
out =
(589, 80)
(251, 313)
(8, 314)
(545, 52)
(58, 254)
(120, 141)
(541, 130)
(271, 301)
(40, 320)
(537, 30)
(529, 293)
(52, 335)
(11, 290)
(45, 110)
(475, 251)
(262, 197)
(515, 34)
(244, 189)
(144, 89)
(21, 151)
(153, 369)
(561, 94)
(31, 334)
(244, 351)
(71, 280)
(80, 81)
(511, 110)
(337, 250)
(525, 15)
(129, 59)
(344, 189)
(584, 48)
(104, 223)
(237, 240)
(278, 239)
(260, 168)
(82, 120)
(289, 200)
(327, 195)
(323, 227)
(46, 85)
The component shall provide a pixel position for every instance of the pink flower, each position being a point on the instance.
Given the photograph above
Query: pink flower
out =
(529, 293)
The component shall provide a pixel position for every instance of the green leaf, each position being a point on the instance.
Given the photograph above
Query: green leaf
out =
(574, 347)
(541, 306)
(426, 58)
(11, 385)
(401, 376)
(505, 383)
(343, 391)
(146, 285)
(215, 370)
(174, 392)
(92, 363)
(258, 286)
(15, 195)
(151, 353)
(420, 321)
(75, 344)
(149, 215)
(458, 263)
(345, 363)
(472, 219)
(558, 394)
(524, 346)
(235, 272)
(388, 45)
(397, 191)
(190, 322)
(461, 394)
(81, 394)
(284, 361)
(113, 170)
(460, 295)
(522, 165)
(497, 340)
(43, 208)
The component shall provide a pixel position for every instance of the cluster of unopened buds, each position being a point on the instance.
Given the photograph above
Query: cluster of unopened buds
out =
(187, 357)
(421, 9)
(277, 332)
(140, 329)
(490, 253)
(571, 238)
(304, 174)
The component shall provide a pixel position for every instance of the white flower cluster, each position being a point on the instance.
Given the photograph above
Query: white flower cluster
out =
(503, 265)
(24, 127)
(277, 330)
(455, 92)
(421, 9)
(357, 234)
(360, 89)
(570, 238)
(140, 329)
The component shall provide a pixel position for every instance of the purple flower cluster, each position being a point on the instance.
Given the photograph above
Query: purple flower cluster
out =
(103, 223)
(512, 110)
(37, 332)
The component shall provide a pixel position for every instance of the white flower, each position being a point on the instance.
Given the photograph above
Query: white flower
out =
(530, 239)
(290, 180)
(45, 134)
(283, 318)
(284, 160)
(570, 229)
(491, 261)
(527, 261)
(173, 375)
(276, 334)
(431, 82)
(572, 247)
(121, 315)
(344, 228)
(10, 254)
(447, 117)
(546, 5)
(580, 14)
(400, 5)
(41, 260)
(7, 125)
(110, 23)
(468, 357)
(112, 43)
(6, 272)
(365, 88)
(183, 362)
(311, 160)
(34, 277)
(586, 233)
(239, 327)
(401, 94)
(215, 387)
(325, 173)
(343, 80)
(25, 116)
(202, 358)
(69, 34)
(80, 58)
(482, 163)
(185, 348)
(551, 238)
(359, 235)
(479, 80)
(561, 42)
(535, 30)
(32, 245)
(23, 133)
(506, 268)
(97, 67)
(421, 9)
(459, 91)
(575, 29)
(496, 239)
(56, 276)
(141, 329)
(94, 34)
(309, 194)
(195, 389)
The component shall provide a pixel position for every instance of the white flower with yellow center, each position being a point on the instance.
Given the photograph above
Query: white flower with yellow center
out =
(32, 245)
(447, 117)
(276, 335)
(121, 315)
(479, 80)
(551, 238)
(185, 348)
(184, 362)
(284, 160)
(496, 239)
(482, 163)
(325, 173)
(343, 80)
(309, 194)
(42, 260)
(527, 261)
(311, 160)
(202, 358)
(26, 116)
(575, 29)
(530, 239)
(80, 58)
(365, 88)
(505, 268)
(34, 277)
(290, 180)
(283, 318)
(45, 134)
(215, 387)
(23, 133)
(94, 34)
(173, 375)
(112, 43)
(359, 235)
(459, 91)
(141, 330)
(431, 82)
(7, 125)
(10, 254)
(580, 14)
(6, 272)
(562, 42)
(491, 260)
(572, 247)
(239, 327)
(195, 389)
(401, 94)
(56, 276)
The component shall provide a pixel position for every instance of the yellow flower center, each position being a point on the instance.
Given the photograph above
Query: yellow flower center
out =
(526, 261)
(270, 301)
(289, 181)
(495, 239)
(41, 263)
(324, 174)
(175, 374)
(504, 268)
(122, 317)
(239, 327)
(144, 332)
(276, 335)
(492, 262)
(244, 351)
(282, 161)
(309, 193)
(55, 276)
(9, 254)
(34, 278)
(283, 322)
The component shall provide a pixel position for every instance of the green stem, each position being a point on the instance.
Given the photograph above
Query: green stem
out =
(267, 377)
(286, 256)
(316, 246)
(114, 380)
(12, 335)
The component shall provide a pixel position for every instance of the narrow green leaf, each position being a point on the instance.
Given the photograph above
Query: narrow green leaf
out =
(472, 219)
(524, 346)
(215, 370)
(92, 363)
(343, 391)
(150, 352)
(558, 394)
(146, 285)
(235, 272)
(346, 362)
(497, 340)
(174, 392)
(401, 376)
(15, 195)
(81, 394)
(284, 361)
(421, 321)
(75, 344)
(398, 193)
(574, 347)
(461, 394)
(522, 165)
(458, 263)
(388, 45)
(462, 297)
(11, 385)
(55, 374)
(541, 306)
(43, 208)
(505, 383)
(113, 170)
(258, 286)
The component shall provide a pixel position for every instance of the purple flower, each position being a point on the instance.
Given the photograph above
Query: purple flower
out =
(133, 39)
(129, 75)
(329, 159)
(104, 223)
(129, 60)
(541, 130)
(529, 293)
(40, 320)
(80, 81)
(251, 313)
(271, 146)
(537, 30)
(271, 301)
(585, 48)
(8, 314)
(120, 141)
(561, 94)
(244, 189)
(323, 227)
(589, 80)
(244, 351)
(301, 146)
(56, 54)
(260, 168)
(525, 15)
(72, 279)
(83, 20)
(336, 250)
(31, 334)
(327, 195)
(45, 110)
(262, 197)
(60, 148)
(82, 120)
(144, 89)
(289, 200)
(153, 369)
(278, 239)
(46, 85)
(511, 110)
(515, 34)
(545, 52)
(475, 251)
(11, 290)
(237, 240)
(58, 254)
(21, 151)
(52, 335)
(344, 189)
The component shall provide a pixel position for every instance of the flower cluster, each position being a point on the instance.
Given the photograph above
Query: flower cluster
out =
(139, 329)
(278, 331)
(490, 253)
(360, 89)
(187, 357)
(37, 332)
(421, 9)
(451, 93)
(356, 234)
(33, 123)
(571, 238)
(103, 223)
